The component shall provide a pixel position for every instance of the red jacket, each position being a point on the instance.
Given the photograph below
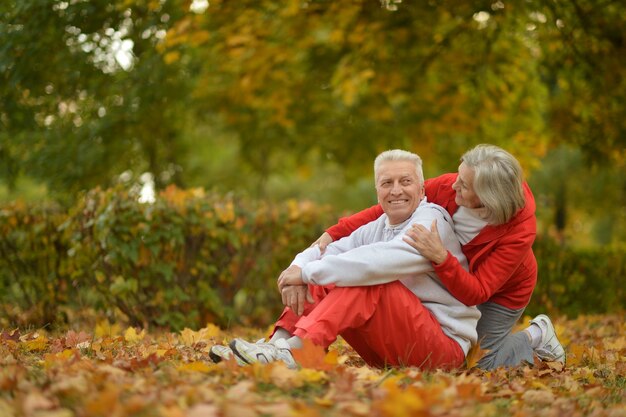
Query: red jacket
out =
(502, 266)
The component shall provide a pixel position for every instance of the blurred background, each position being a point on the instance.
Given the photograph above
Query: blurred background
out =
(274, 101)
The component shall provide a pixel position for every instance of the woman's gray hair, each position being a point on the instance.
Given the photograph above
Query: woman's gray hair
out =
(400, 155)
(498, 179)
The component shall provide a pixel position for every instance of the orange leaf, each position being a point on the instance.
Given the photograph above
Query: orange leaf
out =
(314, 356)
(474, 356)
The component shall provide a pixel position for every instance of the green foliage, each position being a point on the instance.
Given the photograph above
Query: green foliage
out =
(574, 280)
(75, 110)
(33, 263)
(578, 201)
(193, 257)
(185, 260)
(344, 80)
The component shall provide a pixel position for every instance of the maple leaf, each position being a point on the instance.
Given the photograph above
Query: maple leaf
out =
(131, 335)
(38, 344)
(14, 335)
(314, 357)
(104, 328)
(190, 337)
(397, 401)
(80, 340)
(475, 354)
(196, 367)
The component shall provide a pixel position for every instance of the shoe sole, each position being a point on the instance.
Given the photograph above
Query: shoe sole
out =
(215, 358)
(241, 357)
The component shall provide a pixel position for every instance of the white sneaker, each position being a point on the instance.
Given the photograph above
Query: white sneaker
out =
(550, 349)
(219, 353)
(263, 352)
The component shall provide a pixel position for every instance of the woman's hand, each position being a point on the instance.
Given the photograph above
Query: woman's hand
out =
(428, 243)
(324, 240)
(294, 297)
(290, 276)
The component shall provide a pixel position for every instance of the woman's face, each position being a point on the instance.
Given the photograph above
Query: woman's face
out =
(464, 187)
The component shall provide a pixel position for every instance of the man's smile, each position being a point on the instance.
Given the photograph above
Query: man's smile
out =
(398, 202)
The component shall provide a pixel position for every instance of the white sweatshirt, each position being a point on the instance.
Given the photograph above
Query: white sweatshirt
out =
(376, 254)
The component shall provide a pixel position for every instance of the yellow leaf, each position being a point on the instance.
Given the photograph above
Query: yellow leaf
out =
(132, 336)
(171, 57)
(54, 358)
(189, 337)
(575, 354)
(474, 356)
(104, 328)
(332, 357)
(324, 402)
(312, 375)
(211, 330)
(398, 401)
(196, 367)
(35, 345)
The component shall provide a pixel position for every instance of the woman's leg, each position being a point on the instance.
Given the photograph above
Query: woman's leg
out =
(494, 334)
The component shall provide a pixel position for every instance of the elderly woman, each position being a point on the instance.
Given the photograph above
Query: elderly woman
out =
(493, 211)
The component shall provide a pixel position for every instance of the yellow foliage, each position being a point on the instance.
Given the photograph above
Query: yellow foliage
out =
(131, 335)
(196, 367)
(399, 402)
(52, 359)
(171, 57)
(36, 345)
(106, 329)
(225, 212)
(190, 337)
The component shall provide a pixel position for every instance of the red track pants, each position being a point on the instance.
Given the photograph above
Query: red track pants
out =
(386, 324)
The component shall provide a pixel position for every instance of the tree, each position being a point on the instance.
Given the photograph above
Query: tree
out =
(285, 89)
(85, 94)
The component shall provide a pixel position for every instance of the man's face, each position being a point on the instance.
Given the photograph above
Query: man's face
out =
(398, 189)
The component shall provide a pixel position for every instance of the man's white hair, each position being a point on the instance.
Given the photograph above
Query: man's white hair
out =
(399, 155)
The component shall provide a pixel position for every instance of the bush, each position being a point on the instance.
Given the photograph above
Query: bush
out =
(185, 260)
(578, 280)
(33, 264)
(191, 258)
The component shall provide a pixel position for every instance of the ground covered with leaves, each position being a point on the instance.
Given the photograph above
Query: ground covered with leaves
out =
(112, 371)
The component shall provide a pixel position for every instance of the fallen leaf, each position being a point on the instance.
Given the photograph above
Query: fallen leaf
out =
(36, 401)
(35, 345)
(314, 357)
(131, 335)
(14, 335)
(275, 410)
(73, 339)
(195, 367)
(200, 410)
(538, 397)
(474, 355)
(104, 328)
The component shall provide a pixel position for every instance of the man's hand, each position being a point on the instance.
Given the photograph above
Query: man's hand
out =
(324, 240)
(294, 297)
(290, 276)
(428, 243)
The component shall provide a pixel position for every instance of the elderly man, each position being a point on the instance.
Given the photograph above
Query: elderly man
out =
(374, 289)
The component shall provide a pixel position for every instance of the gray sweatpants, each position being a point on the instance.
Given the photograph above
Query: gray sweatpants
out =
(494, 334)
